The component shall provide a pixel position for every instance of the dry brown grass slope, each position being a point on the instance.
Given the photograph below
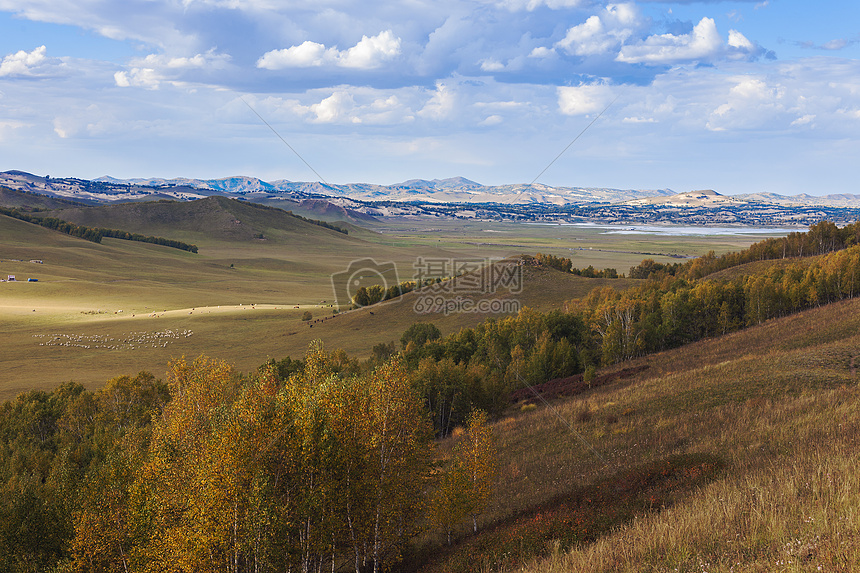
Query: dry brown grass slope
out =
(778, 403)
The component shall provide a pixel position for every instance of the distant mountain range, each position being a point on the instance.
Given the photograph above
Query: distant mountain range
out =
(440, 191)
(455, 198)
(453, 190)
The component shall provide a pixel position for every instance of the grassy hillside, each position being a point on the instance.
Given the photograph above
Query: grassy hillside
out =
(22, 199)
(318, 209)
(244, 314)
(777, 407)
(213, 219)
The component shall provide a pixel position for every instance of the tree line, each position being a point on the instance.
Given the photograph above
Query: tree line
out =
(673, 311)
(565, 265)
(323, 224)
(821, 238)
(213, 470)
(93, 234)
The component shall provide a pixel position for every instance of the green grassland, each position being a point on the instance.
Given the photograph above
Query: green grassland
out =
(763, 422)
(257, 271)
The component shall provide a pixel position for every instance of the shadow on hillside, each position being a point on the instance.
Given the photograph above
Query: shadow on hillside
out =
(574, 518)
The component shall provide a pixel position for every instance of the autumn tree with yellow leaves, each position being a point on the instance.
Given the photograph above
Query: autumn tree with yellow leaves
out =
(465, 486)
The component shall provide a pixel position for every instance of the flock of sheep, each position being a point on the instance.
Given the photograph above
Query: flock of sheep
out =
(130, 341)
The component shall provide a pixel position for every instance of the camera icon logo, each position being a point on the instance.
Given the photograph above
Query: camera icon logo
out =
(367, 274)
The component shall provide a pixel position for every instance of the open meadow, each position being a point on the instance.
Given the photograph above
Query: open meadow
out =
(243, 295)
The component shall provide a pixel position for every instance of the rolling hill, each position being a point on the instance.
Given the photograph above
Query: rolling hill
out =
(212, 219)
(242, 300)
(13, 198)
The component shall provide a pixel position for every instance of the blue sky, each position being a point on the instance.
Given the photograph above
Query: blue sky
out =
(739, 97)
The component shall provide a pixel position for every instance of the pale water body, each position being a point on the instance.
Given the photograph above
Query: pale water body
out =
(680, 230)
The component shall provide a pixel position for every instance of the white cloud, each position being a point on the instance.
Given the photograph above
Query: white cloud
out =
(209, 60)
(305, 55)
(370, 52)
(835, 44)
(739, 41)
(755, 89)
(346, 105)
(333, 108)
(584, 99)
(441, 105)
(492, 65)
(702, 43)
(22, 63)
(623, 15)
(62, 128)
(7, 126)
(147, 78)
(149, 72)
(751, 103)
(588, 38)
(542, 52)
(604, 32)
(831, 45)
(639, 120)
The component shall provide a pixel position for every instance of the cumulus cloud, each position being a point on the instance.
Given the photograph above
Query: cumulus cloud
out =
(602, 32)
(751, 103)
(370, 52)
(305, 55)
(542, 52)
(494, 119)
(146, 78)
(492, 65)
(345, 105)
(588, 38)
(199, 61)
(739, 41)
(22, 63)
(583, 100)
(440, 105)
(335, 107)
(703, 43)
(150, 71)
(805, 120)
